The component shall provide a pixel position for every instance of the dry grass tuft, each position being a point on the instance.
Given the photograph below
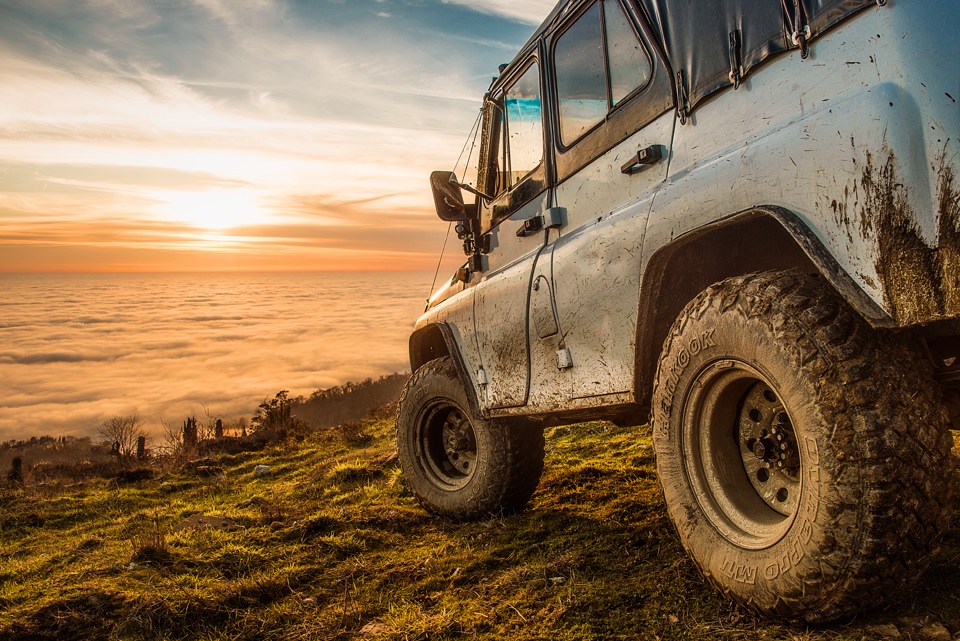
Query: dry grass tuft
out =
(150, 543)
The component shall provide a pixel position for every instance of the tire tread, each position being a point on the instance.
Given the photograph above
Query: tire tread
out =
(889, 416)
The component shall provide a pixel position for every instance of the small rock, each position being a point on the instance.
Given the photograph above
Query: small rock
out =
(166, 487)
(884, 631)
(935, 632)
(372, 629)
(261, 471)
(913, 623)
(209, 470)
(276, 525)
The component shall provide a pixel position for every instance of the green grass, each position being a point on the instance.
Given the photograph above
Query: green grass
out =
(332, 546)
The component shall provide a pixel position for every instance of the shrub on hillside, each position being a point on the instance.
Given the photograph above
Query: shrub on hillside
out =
(351, 402)
(275, 415)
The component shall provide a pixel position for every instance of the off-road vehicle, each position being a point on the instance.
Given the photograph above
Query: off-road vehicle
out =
(739, 220)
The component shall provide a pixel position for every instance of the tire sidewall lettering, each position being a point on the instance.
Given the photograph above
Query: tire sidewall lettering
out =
(675, 372)
(755, 570)
(419, 394)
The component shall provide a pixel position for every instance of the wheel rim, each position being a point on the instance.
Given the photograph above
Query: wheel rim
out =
(446, 446)
(741, 455)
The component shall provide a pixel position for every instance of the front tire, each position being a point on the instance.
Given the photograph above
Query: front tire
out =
(458, 465)
(804, 457)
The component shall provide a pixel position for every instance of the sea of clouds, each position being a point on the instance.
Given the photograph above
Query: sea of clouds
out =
(78, 349)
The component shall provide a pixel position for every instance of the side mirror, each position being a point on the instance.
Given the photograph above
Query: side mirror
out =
(448, 197)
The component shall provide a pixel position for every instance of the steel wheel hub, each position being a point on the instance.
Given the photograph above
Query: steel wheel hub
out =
(447, 446)
(740, 454)
(768, 447)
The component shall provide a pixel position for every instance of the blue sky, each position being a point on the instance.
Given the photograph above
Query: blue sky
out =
(237, 134)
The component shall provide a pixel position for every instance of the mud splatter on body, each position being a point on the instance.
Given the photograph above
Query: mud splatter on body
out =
(921, 283)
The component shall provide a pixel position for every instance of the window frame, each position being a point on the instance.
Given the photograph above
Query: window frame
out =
(506, 201)
(631, 114)
(605, 50)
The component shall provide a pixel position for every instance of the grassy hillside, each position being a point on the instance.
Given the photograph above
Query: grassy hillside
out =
(331, 546)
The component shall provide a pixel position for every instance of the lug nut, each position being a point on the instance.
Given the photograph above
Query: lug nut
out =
(759, 450)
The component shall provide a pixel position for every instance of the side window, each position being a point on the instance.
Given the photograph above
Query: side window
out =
(630, 67)
(521, 129)
(581, 77)
(599, 62)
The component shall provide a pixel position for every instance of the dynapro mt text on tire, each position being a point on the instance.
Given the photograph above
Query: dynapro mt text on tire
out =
(802, 454)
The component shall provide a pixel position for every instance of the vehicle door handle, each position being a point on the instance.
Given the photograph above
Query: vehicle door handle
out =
(644, 158)
(530, 226)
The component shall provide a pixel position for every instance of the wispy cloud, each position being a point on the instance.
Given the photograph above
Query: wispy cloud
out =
(209, 114)
(531, 11)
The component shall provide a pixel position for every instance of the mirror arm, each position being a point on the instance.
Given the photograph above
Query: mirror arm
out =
(473, 191)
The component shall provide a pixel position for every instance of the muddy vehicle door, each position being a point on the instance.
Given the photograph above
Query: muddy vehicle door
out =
(613, 128)
(516, 178)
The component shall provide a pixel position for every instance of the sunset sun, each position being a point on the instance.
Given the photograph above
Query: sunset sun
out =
(215, 209)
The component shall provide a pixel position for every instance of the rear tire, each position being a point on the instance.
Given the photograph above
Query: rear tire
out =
(804, 457)
(455, 464)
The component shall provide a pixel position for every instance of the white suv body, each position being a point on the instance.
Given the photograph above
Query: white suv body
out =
(647, 166)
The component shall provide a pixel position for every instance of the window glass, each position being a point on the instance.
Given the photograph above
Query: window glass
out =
(523, 129)
(581, 78)
(629, 66)
(585, 61)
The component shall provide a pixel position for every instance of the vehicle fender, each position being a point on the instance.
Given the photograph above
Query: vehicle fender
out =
(437, 340)
(763, 238)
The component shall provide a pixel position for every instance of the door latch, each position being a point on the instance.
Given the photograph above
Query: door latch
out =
(530, 226)
(644, 158)
(551, 219)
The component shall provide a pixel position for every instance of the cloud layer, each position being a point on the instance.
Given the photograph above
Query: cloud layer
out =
(168, 345)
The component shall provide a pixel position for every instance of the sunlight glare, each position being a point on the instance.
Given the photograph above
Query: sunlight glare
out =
(213, 209)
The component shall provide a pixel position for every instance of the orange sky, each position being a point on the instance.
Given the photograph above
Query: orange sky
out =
(138, 135)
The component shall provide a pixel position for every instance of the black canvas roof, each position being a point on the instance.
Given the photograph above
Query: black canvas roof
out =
(714, 43)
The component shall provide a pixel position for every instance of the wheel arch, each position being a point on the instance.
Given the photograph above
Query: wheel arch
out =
(765, 238)
(436, 341)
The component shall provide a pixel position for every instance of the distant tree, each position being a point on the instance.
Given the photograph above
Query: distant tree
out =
(351, 401)
(275, 415)
(15, 475)
(238, 426)
(125, 431)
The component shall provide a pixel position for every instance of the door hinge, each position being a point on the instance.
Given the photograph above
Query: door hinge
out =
(683, 108)
(736, 59)
(475, 263)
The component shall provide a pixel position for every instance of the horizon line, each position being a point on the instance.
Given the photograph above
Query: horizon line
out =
(214, 271)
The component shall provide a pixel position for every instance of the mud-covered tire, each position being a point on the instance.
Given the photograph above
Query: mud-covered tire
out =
(455, 464)
(774, 372)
